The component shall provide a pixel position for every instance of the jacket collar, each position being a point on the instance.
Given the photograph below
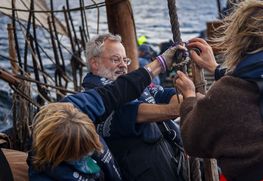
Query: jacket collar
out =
(251, 67)
(90, 81)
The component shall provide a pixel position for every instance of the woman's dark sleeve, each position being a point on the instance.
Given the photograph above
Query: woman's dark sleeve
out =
(126, 88)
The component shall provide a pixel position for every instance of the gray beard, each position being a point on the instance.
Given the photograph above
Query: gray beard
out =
(104, 72)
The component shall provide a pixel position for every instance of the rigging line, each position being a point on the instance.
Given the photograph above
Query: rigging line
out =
(57, 39)
(58, 89)
(55, 11)
(58, 80)
(32, 52)
(82, 35)
(86, 21)
(15, 61)
(39, 23)
(15, 35)
(8, 58)
(23, 32)
(65, 48)
(75, 37)
(43, 50)
(174, 21)
(219, 9)
(98, 16)
(35, 41)
(82, 20)
(43, 72)
(41, 89)
(69, 30)
(38, 20)
(45, 84)
(22, 94)
(9, 113)
(80, 61)
(27, 36)
(76, 57)
(22, 25)
(20, 68)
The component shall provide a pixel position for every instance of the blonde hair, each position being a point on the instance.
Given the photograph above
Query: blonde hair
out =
(62, 133)
(241, 33)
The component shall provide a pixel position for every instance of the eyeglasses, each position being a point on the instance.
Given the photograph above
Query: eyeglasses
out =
(117, 60)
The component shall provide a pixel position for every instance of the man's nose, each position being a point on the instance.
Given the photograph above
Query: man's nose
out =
(122, 64)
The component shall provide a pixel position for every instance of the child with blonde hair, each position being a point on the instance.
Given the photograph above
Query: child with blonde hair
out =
(62, 135)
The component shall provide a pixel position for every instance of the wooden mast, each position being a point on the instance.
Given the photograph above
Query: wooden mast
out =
(120, 21)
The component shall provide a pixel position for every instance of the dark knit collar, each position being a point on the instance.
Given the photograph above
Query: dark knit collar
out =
(251, 67)
(90, 81)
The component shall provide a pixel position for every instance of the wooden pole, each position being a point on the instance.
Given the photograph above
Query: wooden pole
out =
(211, 171)
(8, 77)
(12, 49)
(21, 113)
(120, 21)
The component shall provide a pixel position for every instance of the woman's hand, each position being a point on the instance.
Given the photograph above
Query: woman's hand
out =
(185, 84)
(206, 59)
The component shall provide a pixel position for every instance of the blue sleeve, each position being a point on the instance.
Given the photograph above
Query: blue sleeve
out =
(89, 102)
(37, 176)
(143, 62)
(163, 97)
(124, 121)
(62, 172)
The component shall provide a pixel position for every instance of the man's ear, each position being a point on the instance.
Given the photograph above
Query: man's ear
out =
(94, 64)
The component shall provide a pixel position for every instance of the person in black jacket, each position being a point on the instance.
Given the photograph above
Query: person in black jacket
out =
(136, 132)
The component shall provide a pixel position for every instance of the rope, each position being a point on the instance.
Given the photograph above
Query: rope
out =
(195, 172)
(200, 84)
(182, 64)
(93, 6)
(45, 84)
(195, 169)
(24, 95)
(174, 21)
(56, 11)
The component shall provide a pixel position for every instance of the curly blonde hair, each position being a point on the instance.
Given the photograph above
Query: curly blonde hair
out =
(62, 133)
(241, 33)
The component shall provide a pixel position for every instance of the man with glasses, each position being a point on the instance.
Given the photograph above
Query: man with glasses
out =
(132, 132)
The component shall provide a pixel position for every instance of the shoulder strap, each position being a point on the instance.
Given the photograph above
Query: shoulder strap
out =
(5, 173)
(179, 155)
(170, 135)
